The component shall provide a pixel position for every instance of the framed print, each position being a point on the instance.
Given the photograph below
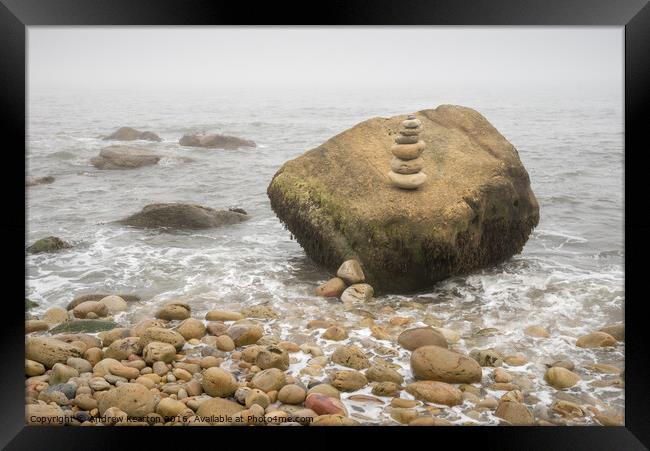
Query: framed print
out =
(383, 216)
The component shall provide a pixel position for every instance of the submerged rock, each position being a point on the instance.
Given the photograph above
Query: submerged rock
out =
(213, 140)
(131, 134)
(476, 209)
(33, 181)
(182, 216)
(124, 157)
(48, 244)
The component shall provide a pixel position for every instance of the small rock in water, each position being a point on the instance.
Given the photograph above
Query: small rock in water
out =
(114, 303)
(223, 315)
(85, 309)
(182, 216)
(335, 333)
(561, 378)
(348, 380)
(325, 389)
(563, 363)
(259, 311)
(213, 140)
(351, 357)
(595, 340)
(403, 416)
(332, 288)
(515, 413)
(567, 409)
(487, 357)
(381, 373)
(411, 339)
(174, 311)
(33, 181)
(435, 392)
(615, 330)
(324, 405)
(536, 331)
(440, 364)
(272, 357)
(245, 334)
(501, 375)
(48, 244)
(131, 134)
(604, 368)
(386, 389)
(358, 293)
(515, 360)
(124, 157)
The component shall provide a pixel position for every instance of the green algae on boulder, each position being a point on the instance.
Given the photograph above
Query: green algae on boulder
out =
(476, 208)
(84, 325)
(182, 216)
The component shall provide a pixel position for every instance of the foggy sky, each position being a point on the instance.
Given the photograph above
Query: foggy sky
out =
(164, 57)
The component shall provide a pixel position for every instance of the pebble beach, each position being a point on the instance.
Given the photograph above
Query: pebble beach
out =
(235, 325)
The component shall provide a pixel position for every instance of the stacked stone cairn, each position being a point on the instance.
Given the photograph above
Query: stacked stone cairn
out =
(406, 165)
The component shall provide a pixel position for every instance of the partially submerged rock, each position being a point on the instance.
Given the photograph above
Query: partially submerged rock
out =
(98, 297)
(131, 134)
(182, 216)
(476, 209)
(124, 157)
(213, 140)
(48, 244)
(33, 181)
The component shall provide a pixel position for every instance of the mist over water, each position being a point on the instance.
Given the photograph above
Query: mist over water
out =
(569, 277)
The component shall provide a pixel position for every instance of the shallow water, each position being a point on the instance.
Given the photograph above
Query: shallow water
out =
(569, 278)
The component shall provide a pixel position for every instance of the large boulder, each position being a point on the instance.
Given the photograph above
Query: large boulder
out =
(124, 157)
(213, 140)
(475, 209)
(182, 216)
(131, 134)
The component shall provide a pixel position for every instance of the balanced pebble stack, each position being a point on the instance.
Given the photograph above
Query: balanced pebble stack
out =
(406, 165)
(347, 285)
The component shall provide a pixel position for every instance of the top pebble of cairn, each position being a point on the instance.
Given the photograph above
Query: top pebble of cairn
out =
(406, 165)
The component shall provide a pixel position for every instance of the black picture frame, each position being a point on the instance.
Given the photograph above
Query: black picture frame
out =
(634, 15)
